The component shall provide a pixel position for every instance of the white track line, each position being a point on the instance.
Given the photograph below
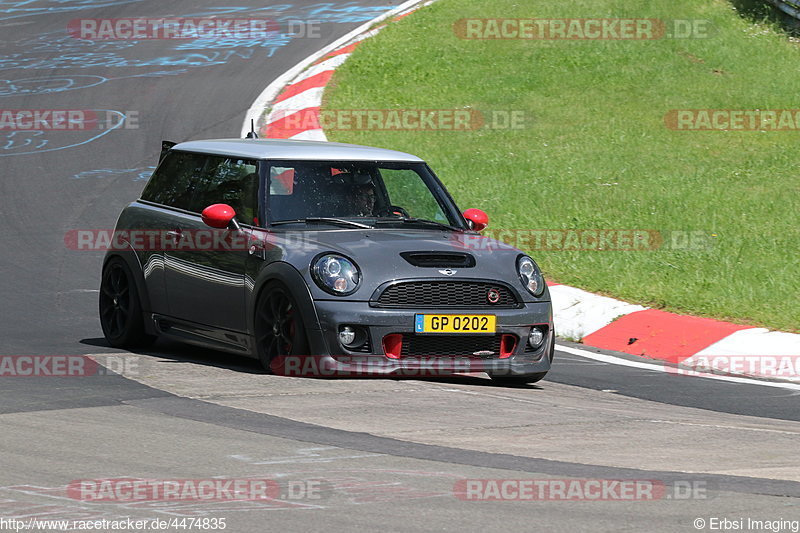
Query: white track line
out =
(612, 360)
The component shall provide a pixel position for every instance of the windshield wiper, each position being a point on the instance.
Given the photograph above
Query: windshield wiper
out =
(322, 220)
(421, 221)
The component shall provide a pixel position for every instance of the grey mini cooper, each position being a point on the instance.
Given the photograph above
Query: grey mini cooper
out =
(321, 259)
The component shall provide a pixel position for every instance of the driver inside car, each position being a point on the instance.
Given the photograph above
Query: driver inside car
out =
(363, 200)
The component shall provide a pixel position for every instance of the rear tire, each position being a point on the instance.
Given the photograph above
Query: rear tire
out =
(279, 327)
(120, 309)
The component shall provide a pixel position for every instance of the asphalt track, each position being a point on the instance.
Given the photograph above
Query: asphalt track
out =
(388, 452)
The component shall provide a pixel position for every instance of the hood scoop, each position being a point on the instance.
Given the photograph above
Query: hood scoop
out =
(439, 259)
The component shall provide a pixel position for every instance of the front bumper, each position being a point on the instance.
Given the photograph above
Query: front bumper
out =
(380, 322)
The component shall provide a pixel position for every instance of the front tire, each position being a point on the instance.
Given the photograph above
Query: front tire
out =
(279, 327)
(120, 308)
(528, 378)
(519, 380)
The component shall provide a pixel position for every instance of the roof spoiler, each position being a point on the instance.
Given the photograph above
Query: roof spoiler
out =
(165, 147)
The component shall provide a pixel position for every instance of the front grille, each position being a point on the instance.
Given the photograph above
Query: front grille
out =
(421, 294)
(450, 345)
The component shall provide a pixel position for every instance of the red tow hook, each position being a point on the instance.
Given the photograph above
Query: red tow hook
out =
(393, 345)
(508, 344)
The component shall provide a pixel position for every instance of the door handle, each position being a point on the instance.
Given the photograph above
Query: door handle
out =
(174, 235)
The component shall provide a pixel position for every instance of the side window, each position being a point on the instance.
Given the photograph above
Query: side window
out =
(174, 180)
(229, 181)
(309, 189)
(407, 190)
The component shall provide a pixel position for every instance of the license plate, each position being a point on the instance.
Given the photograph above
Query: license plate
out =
(474, 324)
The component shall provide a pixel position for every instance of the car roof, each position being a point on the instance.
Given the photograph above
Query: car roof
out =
(290, 149)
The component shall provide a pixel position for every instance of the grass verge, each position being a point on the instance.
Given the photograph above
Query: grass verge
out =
(595, 151)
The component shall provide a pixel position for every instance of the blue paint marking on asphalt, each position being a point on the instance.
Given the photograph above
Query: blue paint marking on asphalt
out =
(37, 141)
(272, 44)
(139, 174)
(338, 12)
(28, 8)
(57, 84)
(59, 49)
(56, 50)
(51, 84)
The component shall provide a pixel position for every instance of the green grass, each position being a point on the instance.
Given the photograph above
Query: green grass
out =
(597, 111)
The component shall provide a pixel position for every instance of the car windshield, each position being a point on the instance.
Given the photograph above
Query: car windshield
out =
(357, 191)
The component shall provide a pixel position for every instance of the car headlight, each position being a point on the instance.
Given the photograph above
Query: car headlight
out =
(335, 274)
(530, 275)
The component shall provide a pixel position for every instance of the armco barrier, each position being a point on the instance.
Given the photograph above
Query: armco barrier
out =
(790, 7)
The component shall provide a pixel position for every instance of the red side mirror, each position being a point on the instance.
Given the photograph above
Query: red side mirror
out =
(477, 218)
(218, 215)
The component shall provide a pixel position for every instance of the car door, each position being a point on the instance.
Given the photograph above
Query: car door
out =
(168, 193)
(205, 270)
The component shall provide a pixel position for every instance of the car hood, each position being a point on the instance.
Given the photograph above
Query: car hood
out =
(378, 251)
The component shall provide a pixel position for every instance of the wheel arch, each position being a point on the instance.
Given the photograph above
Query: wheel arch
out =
(131, 259)
(287, 275)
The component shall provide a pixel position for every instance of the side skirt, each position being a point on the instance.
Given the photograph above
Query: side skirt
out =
(202, 335)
